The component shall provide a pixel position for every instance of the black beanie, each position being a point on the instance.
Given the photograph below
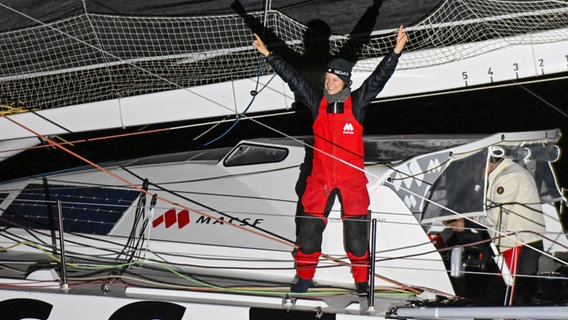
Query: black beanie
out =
(341, 68)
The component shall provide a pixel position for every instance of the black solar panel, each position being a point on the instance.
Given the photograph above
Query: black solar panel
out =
(91, 210)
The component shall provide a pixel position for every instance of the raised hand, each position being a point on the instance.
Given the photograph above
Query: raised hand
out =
(260, 46)
(401, 40)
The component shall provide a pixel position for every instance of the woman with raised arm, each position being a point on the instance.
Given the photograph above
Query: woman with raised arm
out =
(337, 169)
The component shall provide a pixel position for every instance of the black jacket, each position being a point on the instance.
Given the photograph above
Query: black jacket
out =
(361, 97)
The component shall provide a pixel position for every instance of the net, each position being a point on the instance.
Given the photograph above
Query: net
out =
(95, 57)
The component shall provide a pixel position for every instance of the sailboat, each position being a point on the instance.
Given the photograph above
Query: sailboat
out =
(103, 65)
(230, 213)
(208, 233)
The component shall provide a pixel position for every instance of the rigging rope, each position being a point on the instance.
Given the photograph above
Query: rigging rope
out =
(238, 116)
(165, 265)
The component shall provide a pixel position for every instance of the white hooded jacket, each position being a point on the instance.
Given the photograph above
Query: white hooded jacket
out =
(513, 206)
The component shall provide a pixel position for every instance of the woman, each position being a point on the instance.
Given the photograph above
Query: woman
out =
(338, 159)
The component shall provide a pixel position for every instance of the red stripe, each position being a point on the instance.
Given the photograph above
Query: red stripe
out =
(158, 221)
(183, 218)
(170, 216)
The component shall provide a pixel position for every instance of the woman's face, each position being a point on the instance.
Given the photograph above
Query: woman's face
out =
(333, 84)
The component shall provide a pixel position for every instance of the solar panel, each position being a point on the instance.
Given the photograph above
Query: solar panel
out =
(90, 210)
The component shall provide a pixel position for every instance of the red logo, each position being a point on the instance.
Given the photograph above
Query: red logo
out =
(170, 217)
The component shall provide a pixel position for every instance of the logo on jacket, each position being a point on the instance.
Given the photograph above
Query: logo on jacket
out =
(348, 128)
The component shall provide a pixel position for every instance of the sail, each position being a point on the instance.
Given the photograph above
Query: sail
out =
(78, 66)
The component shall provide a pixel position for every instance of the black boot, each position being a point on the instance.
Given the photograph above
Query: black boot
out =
(302, 285)
(362, 289)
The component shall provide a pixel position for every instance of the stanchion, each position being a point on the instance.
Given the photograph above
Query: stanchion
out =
(372, 268)
(64, 284)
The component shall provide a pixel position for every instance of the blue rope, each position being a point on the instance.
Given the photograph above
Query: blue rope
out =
(240, 115)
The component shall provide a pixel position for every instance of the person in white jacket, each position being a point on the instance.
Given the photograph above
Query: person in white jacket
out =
(514, 221)
(513, 206)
